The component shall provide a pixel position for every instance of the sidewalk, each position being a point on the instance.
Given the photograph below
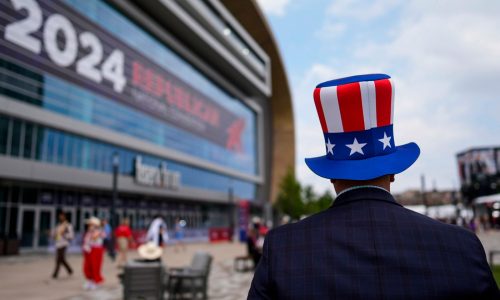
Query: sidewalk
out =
(28, 276)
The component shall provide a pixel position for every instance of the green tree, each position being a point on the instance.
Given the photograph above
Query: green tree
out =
(297, 201)
(289, 200)
(317, 204)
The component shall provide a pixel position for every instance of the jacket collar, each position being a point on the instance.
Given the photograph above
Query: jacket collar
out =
(364, 193)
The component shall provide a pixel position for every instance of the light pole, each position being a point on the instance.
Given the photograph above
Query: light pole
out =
(231, 213)
(422, 192)
(112, 218)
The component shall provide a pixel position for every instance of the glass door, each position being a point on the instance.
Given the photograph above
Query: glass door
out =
(26, 227)
(131, 215)
(85, 214)
(70, 213)
(142, 219)
(45, 223)
(34, 226)
(103, 213)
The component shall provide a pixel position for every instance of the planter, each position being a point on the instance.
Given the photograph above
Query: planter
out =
(12, 247)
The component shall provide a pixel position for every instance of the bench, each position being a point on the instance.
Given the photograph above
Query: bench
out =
(192, 279)
(243, 263)
(142, 280)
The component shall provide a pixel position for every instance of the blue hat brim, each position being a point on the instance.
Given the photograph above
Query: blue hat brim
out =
(365, 169)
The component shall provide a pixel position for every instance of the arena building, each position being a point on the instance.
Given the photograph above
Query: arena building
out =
(187, 100)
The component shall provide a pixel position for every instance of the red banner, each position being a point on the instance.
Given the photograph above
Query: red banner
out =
(219, 234)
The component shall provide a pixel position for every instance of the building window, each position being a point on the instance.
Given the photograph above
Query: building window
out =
(17, 138)
(29, 140)
(4, 133)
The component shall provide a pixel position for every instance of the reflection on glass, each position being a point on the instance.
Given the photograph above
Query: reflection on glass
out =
(44, 226)
(59, 147)
(16, 138)
(27, 228)
(28, 140)
(4, 132)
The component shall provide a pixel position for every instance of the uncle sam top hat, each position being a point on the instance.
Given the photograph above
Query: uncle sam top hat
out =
(356, 115)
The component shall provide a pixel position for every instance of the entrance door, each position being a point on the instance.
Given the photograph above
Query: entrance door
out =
(142, 219)
(103, 213)
(85, 214)
(70, 213)
(26, 227)
(131, 215)
(45, 223)
(34, 226)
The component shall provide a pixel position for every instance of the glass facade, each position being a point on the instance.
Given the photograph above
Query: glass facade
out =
(23, 202)
(59, 95)
(54, 93)
(45, 78)
(33, 141)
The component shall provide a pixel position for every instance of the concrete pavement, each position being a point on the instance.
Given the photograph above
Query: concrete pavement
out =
(28, 276)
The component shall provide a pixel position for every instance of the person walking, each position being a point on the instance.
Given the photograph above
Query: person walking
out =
(157, 232)
(93, 252)
(366, 245)
(179, 234)
(108, 240)
(252, 249)
(63, 235)
(124, 239)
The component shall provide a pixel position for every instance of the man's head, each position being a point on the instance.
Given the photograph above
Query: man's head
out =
(62, 216)
(382, 181)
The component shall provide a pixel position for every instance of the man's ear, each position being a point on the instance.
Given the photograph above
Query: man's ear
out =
(392, 177)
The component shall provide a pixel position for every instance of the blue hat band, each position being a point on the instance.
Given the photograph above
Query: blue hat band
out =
(360, 144)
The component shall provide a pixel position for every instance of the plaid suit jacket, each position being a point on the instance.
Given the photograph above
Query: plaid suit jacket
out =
(367, 246)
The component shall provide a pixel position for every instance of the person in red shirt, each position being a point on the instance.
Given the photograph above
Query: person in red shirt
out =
(124, 238)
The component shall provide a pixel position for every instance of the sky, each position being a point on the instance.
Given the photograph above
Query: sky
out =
(443, 56)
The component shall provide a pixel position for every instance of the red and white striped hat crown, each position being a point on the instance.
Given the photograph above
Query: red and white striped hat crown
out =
(355, 106)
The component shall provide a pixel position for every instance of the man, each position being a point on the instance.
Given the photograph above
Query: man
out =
(63, 234)
(108, 239)
(367, 246)
(124, 239)
(157, 232)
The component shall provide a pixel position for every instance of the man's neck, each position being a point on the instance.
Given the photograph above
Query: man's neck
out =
(383, 182)
(361, 187)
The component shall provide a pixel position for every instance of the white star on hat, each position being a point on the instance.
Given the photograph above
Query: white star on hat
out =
(329, 147)
(386, 140)
(356, 147)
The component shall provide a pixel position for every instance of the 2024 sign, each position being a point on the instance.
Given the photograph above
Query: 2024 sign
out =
(57, 27)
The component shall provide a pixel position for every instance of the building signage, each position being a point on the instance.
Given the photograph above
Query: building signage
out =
(156, 176)
(53, 38)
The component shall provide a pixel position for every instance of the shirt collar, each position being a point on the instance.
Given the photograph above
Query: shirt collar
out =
(361, 187)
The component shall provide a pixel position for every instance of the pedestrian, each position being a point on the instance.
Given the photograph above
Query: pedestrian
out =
(108, 240)
(179, 234)
(124, 239)
(93, 252)
(366, 245)
(63, 235)
(253, 251)
(157, 232)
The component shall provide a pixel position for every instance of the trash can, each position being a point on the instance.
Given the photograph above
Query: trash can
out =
(12, 245)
